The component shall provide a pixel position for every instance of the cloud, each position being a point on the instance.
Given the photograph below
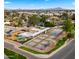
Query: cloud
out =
(7, 2)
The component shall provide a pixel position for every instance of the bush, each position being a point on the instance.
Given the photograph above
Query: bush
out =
(48, 24)
(70, 35)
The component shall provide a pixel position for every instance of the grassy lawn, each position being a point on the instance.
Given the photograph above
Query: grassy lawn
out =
(30, 50)
(13, 55)
(59, 44)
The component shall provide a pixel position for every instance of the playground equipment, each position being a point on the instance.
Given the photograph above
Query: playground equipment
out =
(21, 38)
(12, 36)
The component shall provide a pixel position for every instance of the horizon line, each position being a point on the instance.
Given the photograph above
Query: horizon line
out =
(36, 8)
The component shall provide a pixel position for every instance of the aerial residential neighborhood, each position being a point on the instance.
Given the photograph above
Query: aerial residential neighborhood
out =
(39, 33)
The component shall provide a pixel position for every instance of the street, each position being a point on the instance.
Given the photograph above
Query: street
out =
(67, 52)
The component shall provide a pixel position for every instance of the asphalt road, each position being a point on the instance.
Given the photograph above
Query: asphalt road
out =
(71, 55)
(67, 52)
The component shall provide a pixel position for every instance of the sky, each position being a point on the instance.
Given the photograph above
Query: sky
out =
(39, 4)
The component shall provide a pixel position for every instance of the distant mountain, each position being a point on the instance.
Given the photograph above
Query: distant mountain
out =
(58, 8)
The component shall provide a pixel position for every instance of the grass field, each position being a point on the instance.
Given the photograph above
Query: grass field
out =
(13, 55)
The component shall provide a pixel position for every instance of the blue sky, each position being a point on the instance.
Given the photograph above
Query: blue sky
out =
(39, 4)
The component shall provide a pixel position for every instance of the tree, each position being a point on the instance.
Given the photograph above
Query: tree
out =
(23, 18)
(71, 35)
(49, 24)
(43, 18)
(33, 20)
(68, 27)
(6, 14)
(73, 17)
(17, 22)
(64, 16)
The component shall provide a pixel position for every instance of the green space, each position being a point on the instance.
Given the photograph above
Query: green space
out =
(30, 50)
(59, 44)
(13, 55)
(40, 21)
(49, 24)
